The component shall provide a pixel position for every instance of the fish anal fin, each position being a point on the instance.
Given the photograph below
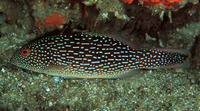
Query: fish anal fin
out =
(127, 74)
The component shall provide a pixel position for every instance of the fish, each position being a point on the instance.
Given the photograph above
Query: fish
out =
(88, 55)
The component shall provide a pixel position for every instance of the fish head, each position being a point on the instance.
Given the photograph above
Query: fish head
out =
(26, 58)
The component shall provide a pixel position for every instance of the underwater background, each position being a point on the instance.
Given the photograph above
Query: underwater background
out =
(150, 24)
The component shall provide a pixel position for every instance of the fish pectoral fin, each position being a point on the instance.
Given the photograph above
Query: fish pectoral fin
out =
(55, 68)
(127, 74)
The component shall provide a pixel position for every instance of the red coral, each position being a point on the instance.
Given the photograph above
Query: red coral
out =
(127, 1)
(167, 3)
(51, 21)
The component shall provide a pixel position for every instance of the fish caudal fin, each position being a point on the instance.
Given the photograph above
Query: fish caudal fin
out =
(183, 53)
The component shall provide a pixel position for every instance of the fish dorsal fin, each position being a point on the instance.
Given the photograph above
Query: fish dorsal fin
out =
(123, 40)
(117, 37)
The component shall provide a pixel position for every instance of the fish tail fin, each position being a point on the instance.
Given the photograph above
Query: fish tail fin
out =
(187, 62)
(184, 52)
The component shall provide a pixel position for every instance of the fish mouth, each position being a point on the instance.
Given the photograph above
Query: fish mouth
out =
(14, 60)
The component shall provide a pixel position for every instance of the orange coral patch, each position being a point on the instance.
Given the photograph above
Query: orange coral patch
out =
(51, 21)
(127, 1)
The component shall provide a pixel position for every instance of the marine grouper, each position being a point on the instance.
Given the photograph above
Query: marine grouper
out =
(85, 55)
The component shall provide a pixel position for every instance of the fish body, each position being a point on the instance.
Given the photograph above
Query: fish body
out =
(86, 55)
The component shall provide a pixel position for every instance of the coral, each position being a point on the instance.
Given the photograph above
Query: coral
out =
(51, 21)
(164, 5)
(127, 1)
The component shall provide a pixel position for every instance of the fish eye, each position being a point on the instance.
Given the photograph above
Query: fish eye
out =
(25, 52)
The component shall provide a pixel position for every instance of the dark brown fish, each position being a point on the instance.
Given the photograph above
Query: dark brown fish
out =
(92, 56)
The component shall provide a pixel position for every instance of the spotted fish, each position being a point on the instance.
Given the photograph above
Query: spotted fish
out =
(85, 55)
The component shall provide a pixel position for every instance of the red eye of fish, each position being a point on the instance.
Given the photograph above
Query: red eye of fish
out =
(25, 52)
